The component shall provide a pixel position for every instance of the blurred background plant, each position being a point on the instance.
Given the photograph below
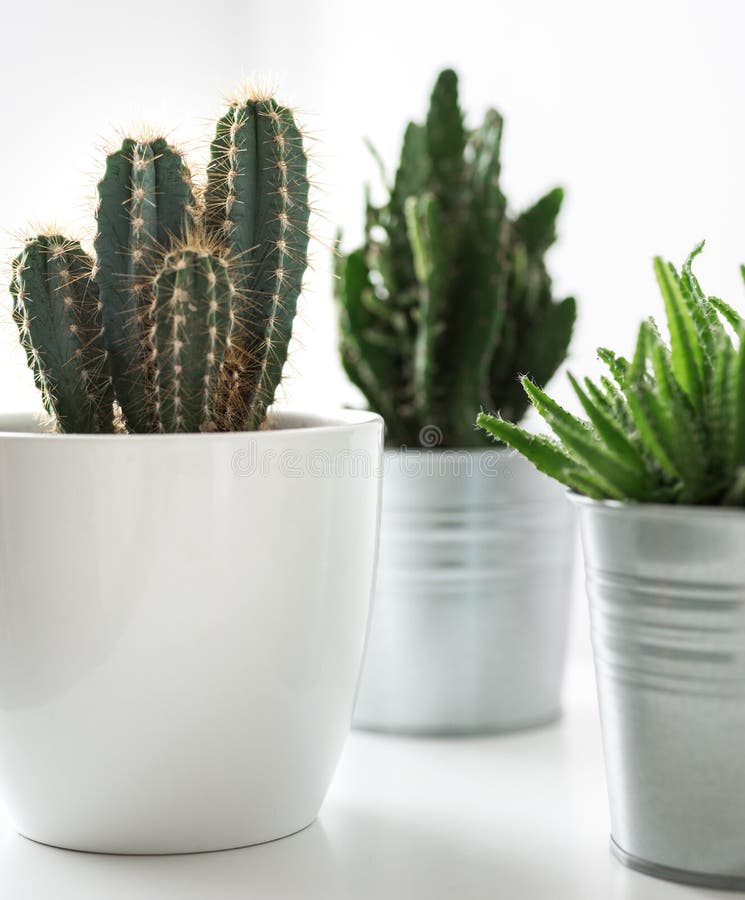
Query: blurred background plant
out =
(449, 298)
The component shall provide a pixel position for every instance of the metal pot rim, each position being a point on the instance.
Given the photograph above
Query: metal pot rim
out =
(671, 510)
(450, 451)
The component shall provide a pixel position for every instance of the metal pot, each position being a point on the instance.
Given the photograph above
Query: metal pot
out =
(666, 587)
(469, 624)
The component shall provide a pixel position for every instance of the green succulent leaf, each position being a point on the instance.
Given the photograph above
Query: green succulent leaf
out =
(727, 312)
(536, 227)
(687, 353)
(585, 446)
(600, 413)
(546, 455)
(738, 402)
(667, 426)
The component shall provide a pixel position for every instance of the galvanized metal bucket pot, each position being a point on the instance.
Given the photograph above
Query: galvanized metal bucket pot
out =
(469, 622)
(667, 600)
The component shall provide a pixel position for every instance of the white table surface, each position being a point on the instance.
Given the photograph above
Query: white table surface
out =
(519, 817)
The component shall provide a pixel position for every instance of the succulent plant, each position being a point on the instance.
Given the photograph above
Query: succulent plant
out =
(668, 426)
(183, 321)
(449, 298)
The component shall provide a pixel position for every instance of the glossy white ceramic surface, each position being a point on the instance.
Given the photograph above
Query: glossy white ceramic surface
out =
(182, 619)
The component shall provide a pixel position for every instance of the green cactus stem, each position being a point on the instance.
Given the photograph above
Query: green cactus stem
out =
(191, 317)
(145, 201)
(57, 310)
(256, 203)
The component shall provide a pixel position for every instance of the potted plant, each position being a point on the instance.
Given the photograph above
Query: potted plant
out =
(658, 474)
(445, 303)
(184, 590)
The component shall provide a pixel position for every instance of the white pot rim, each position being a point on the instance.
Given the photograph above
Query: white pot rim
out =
(674, 511)
(30, 426)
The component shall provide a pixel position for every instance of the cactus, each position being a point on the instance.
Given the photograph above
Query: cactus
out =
(145, 200)
(191, 315)
(58, 312)
(256, 202)
(197, 299)
(449, 299)
(667, 426)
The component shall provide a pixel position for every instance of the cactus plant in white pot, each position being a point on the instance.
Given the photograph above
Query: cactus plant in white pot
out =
(447, 301)
(168, 682)
(658, 473)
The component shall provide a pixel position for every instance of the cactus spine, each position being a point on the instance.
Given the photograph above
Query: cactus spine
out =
(58, 313)
(449, 299)
(197, 299)
(256, 202)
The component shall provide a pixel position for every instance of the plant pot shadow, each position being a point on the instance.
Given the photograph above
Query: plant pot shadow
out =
(282, 868)
(354, 855)
(359, 856)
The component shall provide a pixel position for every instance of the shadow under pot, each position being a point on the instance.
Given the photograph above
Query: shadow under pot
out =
(469, 623)
(666, 587)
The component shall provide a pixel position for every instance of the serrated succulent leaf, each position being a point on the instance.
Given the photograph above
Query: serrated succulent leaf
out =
(687, 354)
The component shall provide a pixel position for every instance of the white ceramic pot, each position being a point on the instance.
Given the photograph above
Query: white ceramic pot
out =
(182, 619)
(469, 628)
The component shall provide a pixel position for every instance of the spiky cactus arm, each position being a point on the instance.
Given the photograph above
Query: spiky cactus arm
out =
(394, 257)
(446, 143)
(391, 321)
(191, 316)
(536, 330)
(370, 363)
(476, 306)
(456, 234)
(145, 202)
(432, 261)
(256, 202)
(58, 313)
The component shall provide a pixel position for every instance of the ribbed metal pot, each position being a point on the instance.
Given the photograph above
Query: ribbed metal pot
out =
(469, 622)
(666, 587)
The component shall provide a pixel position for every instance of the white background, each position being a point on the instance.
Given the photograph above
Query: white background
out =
(635, 107)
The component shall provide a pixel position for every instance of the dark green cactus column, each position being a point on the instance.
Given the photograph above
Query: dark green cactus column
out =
(145, 202)
(256, 203)
(57, 310)
(191, 319)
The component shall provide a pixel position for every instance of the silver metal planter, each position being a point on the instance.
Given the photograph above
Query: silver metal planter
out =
(469, 623)
(667, 600)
